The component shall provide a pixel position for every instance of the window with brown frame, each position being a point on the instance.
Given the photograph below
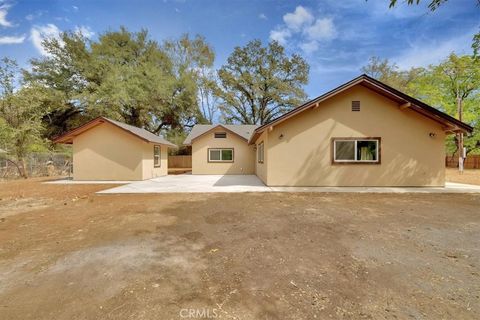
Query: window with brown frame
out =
(260, 152)
(220, 135)
(220, 155)
(157, 156)
(356, 150)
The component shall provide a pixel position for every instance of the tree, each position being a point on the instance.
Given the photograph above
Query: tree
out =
(207, 86)
(20, 115)
(192, 65)
(389, 73)
(260, 83)
(123, 75)
(434, 5)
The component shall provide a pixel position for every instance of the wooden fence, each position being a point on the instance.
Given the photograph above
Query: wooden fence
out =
(471, 162)
(179, 161)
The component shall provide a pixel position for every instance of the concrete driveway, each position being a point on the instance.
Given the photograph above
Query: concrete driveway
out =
(194, 183)
(187, 183)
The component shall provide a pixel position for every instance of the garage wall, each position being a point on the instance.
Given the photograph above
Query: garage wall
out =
(107, 152)
(409, 156)
(244, 155)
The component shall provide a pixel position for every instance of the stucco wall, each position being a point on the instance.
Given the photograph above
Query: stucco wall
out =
(106, 152)
(149, 170)
(244, 155)
(409, 156)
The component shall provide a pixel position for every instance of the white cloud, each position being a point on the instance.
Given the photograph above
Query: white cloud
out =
(304, 30)
(39, 33)
(12, 40)
(425, 52)
(75, 8)
(3, 15)
(35, 15)
(322, 29)
(262, 16)
(309, 47)
(297, 19)
(86, 31)
(280, 35)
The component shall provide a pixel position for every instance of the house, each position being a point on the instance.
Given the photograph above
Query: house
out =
(363, 133)
(222, 149)
(105, 149)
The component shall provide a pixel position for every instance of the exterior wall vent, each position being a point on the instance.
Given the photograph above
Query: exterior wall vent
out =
(355, 105)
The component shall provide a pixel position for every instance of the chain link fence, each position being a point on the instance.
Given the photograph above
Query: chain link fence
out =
(38, 165)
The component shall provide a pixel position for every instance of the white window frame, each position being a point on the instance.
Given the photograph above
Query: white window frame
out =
(220, 149)
(159, 156)
(355, 141)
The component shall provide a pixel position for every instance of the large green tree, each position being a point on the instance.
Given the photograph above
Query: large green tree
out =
(123, 75)
(21, 113)
(258, 84)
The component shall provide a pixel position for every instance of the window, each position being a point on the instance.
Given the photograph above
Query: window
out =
(356, 150)
(220, 135)
(260, 152)
(220, 155)
(156, 156)
(355, 105)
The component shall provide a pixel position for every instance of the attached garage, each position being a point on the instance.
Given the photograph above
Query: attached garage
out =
(105, 149)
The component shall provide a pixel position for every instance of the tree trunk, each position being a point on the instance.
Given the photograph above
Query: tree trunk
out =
(460, 136)
(23, 170)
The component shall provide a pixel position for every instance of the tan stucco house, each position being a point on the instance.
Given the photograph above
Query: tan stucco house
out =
(105, 149)
(363, 133)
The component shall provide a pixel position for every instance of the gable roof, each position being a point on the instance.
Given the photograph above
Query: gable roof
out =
(244, 131)
(450, 123)
(138, 132)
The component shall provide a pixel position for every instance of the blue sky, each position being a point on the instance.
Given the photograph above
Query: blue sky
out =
(336, 37)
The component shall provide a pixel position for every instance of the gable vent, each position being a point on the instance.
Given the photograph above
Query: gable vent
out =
(355, 105)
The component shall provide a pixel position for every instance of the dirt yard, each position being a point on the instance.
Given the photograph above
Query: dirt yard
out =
(67, 253)
(470, 176)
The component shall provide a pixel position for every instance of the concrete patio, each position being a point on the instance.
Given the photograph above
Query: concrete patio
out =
(187, 183)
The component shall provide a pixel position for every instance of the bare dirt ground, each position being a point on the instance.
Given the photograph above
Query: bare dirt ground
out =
(67, 253)
(469, 176)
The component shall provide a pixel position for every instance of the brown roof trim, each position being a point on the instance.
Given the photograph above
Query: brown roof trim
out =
(215, 127)
(418, 106)
(68, 136)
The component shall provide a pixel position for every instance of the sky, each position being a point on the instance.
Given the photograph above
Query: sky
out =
(336, 37)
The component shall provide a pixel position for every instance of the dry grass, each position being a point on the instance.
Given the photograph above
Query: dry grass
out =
(469, 176)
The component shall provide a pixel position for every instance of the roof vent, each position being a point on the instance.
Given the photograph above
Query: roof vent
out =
(355, 105)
